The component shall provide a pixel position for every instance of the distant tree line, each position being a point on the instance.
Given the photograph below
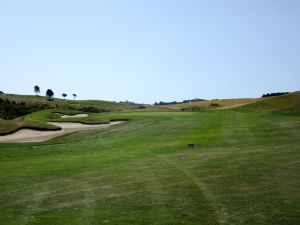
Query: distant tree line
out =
(12, 109)
(273, 94)
(175, 102)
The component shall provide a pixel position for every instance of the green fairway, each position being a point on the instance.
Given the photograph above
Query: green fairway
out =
(245, 169)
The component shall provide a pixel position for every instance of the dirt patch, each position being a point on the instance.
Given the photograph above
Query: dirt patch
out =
(28, 135)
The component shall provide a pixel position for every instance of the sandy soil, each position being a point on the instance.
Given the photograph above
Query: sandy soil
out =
(74, 116)
(28, 135)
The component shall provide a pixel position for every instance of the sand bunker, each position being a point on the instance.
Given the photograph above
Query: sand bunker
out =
(73, 116)
(28, 135)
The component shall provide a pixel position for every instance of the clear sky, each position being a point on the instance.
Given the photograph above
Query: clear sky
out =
(150, 50)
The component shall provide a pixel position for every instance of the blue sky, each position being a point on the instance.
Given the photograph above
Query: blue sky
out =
(150, 50)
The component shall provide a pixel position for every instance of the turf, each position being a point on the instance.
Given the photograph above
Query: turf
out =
(245, 169)
(284, 104)
(11, 126)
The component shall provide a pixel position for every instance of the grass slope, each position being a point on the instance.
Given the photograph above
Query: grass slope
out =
(245, 169)
(75, 104)
(205, 105)
(10, 126)
(285, 104)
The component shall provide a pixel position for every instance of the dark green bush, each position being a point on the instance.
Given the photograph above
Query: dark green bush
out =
(191, 109)
(215, 105)
(93, 109)
(12, 109)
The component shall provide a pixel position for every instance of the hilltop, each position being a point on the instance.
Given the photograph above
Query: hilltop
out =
(286, 104)
(71, 104)
(217, 104)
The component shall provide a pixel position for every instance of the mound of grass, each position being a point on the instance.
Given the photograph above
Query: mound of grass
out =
(284, 104)
(11, 126)
(77, 105)
(207, 105)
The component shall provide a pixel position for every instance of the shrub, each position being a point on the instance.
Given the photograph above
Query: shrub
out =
(191, 109)
(274, 94)
(12, 110)
(175, 102)
(93, 109)
(214, 105)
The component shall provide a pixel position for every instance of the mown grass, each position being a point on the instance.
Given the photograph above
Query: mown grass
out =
(245, 169)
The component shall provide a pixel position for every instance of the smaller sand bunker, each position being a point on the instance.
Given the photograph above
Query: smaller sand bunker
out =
(72, 116)
(28, 135)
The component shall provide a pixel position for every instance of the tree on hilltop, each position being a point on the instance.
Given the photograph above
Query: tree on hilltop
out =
(37, 90)
(49, 94)
(64, 95)
(74, 95)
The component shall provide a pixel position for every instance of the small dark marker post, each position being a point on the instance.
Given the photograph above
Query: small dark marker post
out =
(191, 146)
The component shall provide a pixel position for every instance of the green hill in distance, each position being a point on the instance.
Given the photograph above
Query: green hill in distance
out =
(71, 104)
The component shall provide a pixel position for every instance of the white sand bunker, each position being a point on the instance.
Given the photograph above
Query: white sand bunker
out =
(28, 135)
(72, 116)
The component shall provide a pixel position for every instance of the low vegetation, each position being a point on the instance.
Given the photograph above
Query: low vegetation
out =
(12, 109)
(274, 94)
(215, 104)
(191, 109)
(175, 102)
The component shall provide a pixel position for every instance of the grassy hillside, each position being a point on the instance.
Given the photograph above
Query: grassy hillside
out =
(286, 104)
(10, 126)
(75, 104)
(206, 105)
(244, 170)
(36, 119)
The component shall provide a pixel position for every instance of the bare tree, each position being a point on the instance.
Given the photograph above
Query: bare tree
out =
(74, 95)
